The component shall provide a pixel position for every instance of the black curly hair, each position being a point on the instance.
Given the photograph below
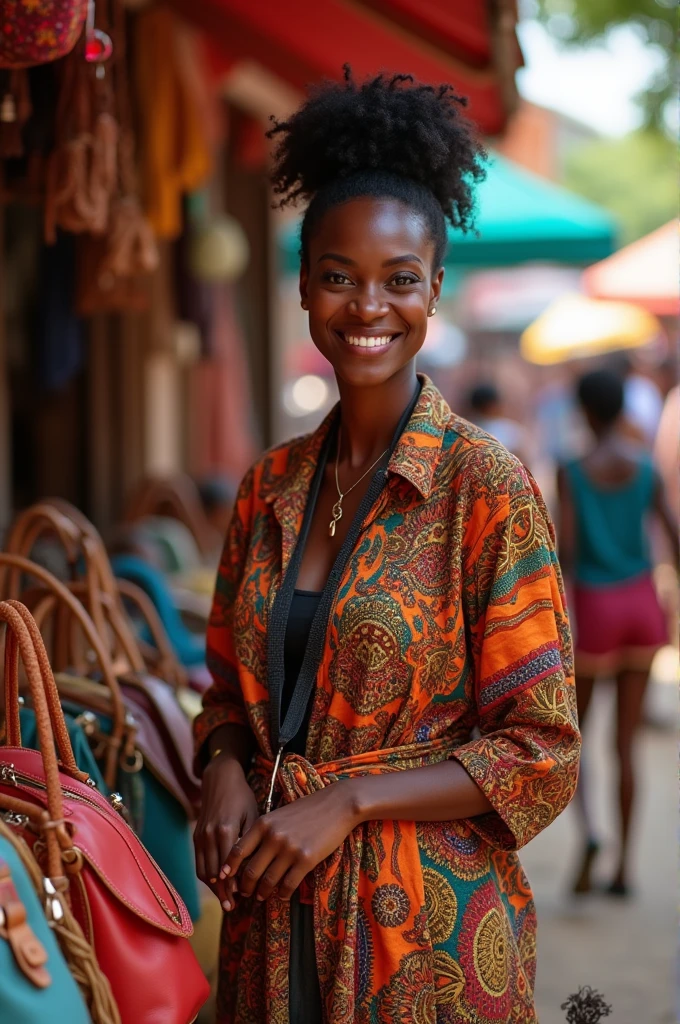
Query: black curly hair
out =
(388, 137)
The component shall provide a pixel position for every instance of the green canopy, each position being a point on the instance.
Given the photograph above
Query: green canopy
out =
(520, 218)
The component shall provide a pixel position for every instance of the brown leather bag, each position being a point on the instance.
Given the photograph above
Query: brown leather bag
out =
(149, 726)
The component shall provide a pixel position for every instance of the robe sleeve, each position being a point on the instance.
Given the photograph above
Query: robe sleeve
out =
(526, 758)
(223, 702)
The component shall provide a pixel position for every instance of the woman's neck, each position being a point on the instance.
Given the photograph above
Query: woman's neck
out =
(370, 416)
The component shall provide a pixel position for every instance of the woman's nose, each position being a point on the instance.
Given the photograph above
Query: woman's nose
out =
(369, 304)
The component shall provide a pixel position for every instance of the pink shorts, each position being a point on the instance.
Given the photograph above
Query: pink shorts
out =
(617, 627)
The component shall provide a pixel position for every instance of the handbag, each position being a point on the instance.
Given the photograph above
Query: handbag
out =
(125, 906)
(41, 32)
(36, 983)
(137, 731)
(44, 923)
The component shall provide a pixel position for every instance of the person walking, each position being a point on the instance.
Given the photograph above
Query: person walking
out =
(393, 710)
(607, 499)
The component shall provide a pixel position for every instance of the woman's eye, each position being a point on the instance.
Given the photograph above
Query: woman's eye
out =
(403, 279)
(337, 277)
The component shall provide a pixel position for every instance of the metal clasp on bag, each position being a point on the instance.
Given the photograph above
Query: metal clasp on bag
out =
(7, 774)
(53, 907)
(15, 819)
(270, 798)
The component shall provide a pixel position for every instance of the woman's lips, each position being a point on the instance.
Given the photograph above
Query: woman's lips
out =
(368, 344)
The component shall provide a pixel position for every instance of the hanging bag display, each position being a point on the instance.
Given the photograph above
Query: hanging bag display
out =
(135, 726)
(125, 906)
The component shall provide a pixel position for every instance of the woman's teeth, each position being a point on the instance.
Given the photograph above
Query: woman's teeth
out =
(363, 342)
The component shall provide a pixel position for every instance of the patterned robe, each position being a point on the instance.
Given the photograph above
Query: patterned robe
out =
(448, 638)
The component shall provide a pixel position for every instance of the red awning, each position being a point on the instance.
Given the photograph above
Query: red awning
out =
(303, 41)
(644, 272)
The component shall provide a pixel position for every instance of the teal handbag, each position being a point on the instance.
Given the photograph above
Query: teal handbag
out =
(81, 750)
(159, 820)
(22, 1001)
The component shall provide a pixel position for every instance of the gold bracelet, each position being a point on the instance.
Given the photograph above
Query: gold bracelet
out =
(216, 753)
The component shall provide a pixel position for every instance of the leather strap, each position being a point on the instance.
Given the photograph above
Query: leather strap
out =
(76, 609)
(29, 952)
(20, 641)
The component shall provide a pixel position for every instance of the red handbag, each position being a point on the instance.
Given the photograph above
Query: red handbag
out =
(39, 31)
(122, 901)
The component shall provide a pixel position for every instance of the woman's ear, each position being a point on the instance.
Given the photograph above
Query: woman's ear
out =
(436, 288)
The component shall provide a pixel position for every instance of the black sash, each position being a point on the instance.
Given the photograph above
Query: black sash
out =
(282, 734)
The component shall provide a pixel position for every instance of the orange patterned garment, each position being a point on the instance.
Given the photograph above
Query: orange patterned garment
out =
(448, 638)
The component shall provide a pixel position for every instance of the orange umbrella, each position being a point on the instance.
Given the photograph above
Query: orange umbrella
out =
(645, 272)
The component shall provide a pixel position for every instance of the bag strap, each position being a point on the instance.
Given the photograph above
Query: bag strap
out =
(76, 609)
(29, 953)
(19, 642)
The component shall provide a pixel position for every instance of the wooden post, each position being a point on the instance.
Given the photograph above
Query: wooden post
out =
(5, 459)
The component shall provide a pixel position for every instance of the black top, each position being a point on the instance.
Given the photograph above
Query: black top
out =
(300, 617)
(284, 728)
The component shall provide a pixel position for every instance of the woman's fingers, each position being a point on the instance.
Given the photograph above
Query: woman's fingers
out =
(256, 866)
(227, 834)
(200, 859)
(291, 881)
(272, 876)
(246, 846)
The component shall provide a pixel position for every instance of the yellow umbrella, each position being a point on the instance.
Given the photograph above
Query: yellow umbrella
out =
(576, 327)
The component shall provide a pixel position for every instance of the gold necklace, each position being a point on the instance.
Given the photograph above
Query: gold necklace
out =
(336, 511)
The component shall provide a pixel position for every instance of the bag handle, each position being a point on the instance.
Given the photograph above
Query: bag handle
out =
(21, 640)
(66, 598)
(78, 537)
(116, 588)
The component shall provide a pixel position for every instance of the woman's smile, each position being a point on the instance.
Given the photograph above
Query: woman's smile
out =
(369, 342)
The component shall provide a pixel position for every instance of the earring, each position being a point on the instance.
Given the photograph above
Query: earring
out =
(432, 311)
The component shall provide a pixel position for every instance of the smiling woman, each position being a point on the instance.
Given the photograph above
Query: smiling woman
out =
(388, 587)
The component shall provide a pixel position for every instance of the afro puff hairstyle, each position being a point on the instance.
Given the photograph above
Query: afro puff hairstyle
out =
(388, 138)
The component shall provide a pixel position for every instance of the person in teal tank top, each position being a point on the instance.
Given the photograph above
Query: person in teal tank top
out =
(608, 499)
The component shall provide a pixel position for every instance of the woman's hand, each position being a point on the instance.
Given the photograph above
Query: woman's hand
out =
(284, 846)
(228, 810)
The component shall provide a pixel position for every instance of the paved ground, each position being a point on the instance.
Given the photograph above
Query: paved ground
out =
(626, 950)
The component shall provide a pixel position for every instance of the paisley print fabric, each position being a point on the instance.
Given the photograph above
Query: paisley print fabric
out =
(449, 638)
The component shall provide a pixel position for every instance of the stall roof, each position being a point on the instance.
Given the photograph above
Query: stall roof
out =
(303, 41)
(645, 272)
(521, 218)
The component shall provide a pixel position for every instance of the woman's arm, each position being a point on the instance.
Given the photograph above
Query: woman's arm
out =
(285, 845)
(566, 529)
(223, 738)
(664, 513)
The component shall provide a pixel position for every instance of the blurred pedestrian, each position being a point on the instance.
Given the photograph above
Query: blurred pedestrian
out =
(487, 410)
(607, 499)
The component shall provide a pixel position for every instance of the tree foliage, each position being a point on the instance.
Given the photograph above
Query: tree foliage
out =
(588, 21)
(633, 177)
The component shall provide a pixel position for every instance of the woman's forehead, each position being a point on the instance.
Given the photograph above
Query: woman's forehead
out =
(371, 228)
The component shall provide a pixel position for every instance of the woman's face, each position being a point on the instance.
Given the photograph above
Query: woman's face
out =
(369, 286)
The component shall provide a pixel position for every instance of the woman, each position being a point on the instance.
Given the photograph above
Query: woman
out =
(388, 585)
(607, 501)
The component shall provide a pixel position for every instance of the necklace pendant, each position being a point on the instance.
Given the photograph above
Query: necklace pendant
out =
(336, 512)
